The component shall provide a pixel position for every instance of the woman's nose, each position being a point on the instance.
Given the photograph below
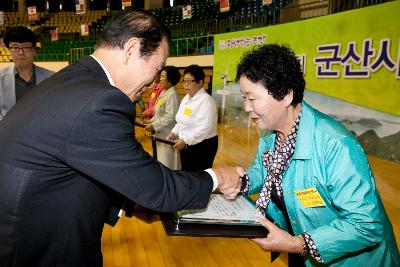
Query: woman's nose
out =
(247, 106)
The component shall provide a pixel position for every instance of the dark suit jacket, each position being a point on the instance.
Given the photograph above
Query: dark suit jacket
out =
(65, 149)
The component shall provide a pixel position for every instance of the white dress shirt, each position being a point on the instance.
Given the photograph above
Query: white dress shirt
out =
(105, 70)
(196, 119)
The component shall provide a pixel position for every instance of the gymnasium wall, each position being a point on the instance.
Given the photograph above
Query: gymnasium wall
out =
(351, 63)
(353, 56)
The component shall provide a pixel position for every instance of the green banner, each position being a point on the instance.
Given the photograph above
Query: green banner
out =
(353, 56)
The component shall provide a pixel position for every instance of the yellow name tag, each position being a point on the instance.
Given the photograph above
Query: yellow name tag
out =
(187, 111)
(153, 95)
(310, 197)
(160, 101)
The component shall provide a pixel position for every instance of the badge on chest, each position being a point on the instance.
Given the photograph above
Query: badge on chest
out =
(310, 197)
(187, 112)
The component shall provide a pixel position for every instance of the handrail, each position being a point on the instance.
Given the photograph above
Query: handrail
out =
(192, 45)
(155, 139)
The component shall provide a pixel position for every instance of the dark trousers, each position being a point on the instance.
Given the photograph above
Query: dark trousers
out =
(199, 156)
(295, 260)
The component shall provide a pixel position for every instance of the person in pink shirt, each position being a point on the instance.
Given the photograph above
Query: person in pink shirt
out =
(156, 90)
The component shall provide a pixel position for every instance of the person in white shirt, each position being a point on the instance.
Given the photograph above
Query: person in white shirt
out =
(163, 121)
(195, 131)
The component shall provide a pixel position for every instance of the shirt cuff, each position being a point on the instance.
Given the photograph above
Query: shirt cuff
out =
(245, 184)
(312, 248)
(214, 177)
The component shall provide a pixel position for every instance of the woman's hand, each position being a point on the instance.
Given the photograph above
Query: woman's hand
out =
(278, 240)
(179, 145)
(149, 128)
(145, 116)
(170, 137)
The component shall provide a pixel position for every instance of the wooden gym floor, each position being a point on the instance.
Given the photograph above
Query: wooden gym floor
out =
(137, 242)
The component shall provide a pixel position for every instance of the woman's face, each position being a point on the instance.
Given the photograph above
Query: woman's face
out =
(265, 111)
(190, 85)
(164, 81)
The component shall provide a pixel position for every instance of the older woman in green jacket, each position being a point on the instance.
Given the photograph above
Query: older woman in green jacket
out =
(316, 187)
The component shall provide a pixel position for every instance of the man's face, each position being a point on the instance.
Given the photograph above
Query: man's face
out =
(22, 53)
(144, 69)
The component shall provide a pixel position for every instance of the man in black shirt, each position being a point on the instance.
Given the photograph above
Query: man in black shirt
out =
(21, 77)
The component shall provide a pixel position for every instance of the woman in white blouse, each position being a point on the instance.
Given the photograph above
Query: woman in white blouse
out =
(195, 131)
(163, 121)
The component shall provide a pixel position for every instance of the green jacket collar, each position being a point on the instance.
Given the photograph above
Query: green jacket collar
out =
(305, 135)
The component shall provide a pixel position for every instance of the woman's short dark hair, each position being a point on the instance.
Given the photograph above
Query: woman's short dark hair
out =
(173, 74)
(19, 34)
(196, 71)
(277, 68)
(140, 24)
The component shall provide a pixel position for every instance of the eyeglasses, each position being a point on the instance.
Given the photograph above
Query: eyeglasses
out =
(189, 81)
(24, 49)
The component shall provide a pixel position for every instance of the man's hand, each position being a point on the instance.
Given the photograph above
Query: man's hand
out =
(278, 239)
(229, 180)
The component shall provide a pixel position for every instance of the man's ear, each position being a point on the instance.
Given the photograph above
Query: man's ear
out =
(131, 49)
(288, 98)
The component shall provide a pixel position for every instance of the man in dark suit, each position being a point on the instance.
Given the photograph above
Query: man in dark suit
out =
(69, 148)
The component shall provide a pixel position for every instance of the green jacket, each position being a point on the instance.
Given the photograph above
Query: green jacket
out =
(352, 228)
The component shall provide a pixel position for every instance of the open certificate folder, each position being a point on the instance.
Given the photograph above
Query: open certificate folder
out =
(221, 218)
(239, 211)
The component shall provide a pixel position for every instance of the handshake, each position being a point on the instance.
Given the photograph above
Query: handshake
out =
(229, 180)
